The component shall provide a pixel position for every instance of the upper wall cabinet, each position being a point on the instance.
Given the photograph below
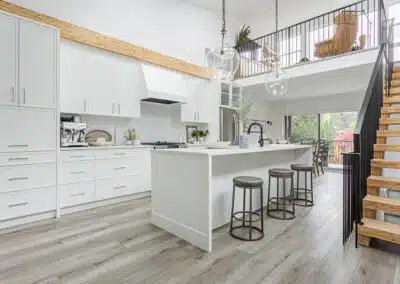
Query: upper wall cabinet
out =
(98, 82)
(28, 56)
(231, 95)
(8, 59)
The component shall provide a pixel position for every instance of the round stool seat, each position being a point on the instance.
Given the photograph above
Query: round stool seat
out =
(301, 167)
(248, 181)
(281, 173)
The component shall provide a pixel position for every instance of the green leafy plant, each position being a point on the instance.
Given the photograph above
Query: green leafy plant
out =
(243, 36)
(130, 134)
(200, 133)
(244, 107)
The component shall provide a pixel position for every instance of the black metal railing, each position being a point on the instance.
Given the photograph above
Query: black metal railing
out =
(350, 28)
(357, 166)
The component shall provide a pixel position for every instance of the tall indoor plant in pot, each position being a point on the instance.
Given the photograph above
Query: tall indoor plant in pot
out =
(244, 107)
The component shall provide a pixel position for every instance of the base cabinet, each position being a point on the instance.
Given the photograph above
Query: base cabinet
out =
(76, 194)
(28, 202)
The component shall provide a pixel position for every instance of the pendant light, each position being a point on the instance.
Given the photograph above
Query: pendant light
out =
(276, 82)
(222, 62)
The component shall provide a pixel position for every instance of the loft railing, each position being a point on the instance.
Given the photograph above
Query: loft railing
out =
(351, 28)
(357, 164)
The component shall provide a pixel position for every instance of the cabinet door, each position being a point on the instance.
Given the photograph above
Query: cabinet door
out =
(32, 129)
(129, 84)
(74, 87)
(189, 110)
(37, 65)
(8, 59)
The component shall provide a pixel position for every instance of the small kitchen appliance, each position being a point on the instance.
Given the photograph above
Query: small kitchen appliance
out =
(73, 134)
(166, 145)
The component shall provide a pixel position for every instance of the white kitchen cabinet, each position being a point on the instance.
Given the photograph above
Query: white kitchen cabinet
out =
(98, 82)
(8, 59)
(30, 129)
(197, 108)
(37, 65)
(230, 94)
(76, 194)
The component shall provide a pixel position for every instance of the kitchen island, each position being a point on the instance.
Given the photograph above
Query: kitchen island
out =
(192, 187)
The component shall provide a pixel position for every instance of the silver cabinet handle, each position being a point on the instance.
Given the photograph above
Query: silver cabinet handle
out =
(119, 154)
(13, 98)
(119, 108)
(18, 146)
(23, 95)
(77, 156)
(113, 108)
(18, 178)
(120, 168)
(195, 115)
(77, 173)
(18, 159)
(198, 115)
(84, 106)
(120, 187)
(18, 204)
(77, 194)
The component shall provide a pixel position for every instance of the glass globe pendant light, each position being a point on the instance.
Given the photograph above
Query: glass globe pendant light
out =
(222, 62)
(276, 81)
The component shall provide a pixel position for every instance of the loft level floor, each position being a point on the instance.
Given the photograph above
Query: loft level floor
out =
(117, 244)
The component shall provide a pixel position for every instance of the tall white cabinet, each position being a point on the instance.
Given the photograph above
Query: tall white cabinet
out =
(28, 117)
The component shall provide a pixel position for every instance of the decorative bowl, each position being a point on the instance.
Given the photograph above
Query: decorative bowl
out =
(218, 145)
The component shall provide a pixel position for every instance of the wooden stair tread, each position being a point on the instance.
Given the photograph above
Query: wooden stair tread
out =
(395, 83)
(388, 133)
(377, 203)
(380, 230)
(391, 100)
(387, 147)
(388, 164)
(396, 75)
(390, 110)
(389, 121)
(395, 91)
(383, 182)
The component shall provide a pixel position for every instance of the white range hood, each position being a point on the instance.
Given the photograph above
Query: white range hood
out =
(164, 86)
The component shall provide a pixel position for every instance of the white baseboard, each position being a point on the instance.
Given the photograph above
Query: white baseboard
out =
(182, 231)
(88, 206)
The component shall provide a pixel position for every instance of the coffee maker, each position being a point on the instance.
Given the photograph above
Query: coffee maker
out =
(73, 133)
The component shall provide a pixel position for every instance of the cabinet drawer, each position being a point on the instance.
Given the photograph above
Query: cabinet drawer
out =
(71, 172)
(76, 155)
(23, 203)
(27, 177)
(32, 129)
(27, 158)
(109, 188)
(121, 167)
(75, 194)
(121, 153)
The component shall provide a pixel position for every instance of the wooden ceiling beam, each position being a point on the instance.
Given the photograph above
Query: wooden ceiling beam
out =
(91, 38)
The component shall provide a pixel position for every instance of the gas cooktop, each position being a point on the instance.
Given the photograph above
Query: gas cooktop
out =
(166, 145)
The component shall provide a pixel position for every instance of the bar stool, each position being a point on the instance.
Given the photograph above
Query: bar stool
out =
(247, 183)
(305, 202)
(286, 199)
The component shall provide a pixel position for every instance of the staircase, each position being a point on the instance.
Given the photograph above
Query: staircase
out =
(370, 227)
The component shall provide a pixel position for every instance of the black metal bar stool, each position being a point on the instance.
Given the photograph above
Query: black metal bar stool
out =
(254, 233)
(281, 211)
(306, 201)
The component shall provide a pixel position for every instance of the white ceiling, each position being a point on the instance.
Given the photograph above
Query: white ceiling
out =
(236, 8)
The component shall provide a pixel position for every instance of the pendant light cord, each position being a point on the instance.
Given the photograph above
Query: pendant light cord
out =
(223, 29)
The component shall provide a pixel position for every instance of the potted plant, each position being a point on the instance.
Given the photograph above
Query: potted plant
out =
(199, 135)
(130, 136)
(244, 107)
(242, 38)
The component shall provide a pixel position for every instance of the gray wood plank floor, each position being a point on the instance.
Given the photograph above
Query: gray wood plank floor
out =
(117, 244)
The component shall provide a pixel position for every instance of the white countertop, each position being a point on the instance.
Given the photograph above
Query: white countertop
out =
(106, 147)
(234, 150)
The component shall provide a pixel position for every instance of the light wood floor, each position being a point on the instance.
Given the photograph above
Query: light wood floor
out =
(117, 244)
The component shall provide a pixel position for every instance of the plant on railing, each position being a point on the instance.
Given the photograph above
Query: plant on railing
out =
(243, 36)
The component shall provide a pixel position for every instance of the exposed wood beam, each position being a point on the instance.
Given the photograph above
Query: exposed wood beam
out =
(91, 38)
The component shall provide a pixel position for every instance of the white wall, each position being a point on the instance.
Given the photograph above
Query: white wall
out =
(292, 12)
(168, 26)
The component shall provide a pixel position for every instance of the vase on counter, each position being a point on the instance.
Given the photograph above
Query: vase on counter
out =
(201, 140)
(243, 140)
(129, 142)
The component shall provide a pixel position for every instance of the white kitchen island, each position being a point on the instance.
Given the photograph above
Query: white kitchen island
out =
(192, 187)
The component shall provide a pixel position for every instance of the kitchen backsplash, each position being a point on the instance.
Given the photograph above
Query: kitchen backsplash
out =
(158, 122)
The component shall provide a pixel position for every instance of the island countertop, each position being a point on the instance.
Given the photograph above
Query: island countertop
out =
(234, 150)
